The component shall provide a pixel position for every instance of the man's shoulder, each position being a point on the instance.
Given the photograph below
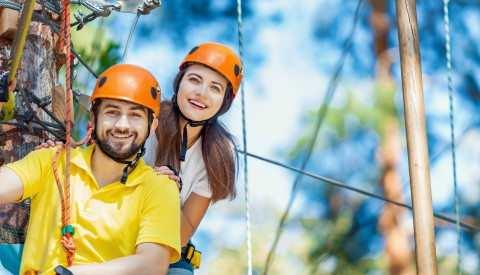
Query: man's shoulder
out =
(152, 180)
(52, 151)
(44, 153)
(46, 156)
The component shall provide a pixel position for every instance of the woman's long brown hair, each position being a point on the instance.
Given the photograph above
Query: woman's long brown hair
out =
(218, 147)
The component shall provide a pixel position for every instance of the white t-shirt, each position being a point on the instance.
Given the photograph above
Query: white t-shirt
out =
(193, 172)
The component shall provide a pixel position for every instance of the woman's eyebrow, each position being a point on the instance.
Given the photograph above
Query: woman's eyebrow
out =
(218, 83)
(199, 76)
(195, 74)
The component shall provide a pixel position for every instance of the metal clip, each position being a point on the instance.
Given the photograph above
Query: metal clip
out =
(80, 18)
(130, 6)
(74, 76)
(149, 5)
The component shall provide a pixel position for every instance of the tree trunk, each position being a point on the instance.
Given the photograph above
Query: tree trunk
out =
(38, 73)
(397, 238)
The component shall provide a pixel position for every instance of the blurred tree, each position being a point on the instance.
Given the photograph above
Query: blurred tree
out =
(362, 141)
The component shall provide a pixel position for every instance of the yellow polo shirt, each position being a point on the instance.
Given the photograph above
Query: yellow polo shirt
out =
(109, 222)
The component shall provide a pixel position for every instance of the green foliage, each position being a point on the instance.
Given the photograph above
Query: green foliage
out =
(96, 46)
(374, 116)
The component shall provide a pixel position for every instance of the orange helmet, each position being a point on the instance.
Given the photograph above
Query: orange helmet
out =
(220, 58)
(130, 83)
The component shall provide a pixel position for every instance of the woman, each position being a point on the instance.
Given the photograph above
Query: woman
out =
(191, 140)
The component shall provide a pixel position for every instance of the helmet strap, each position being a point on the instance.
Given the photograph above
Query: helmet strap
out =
(132, 163)
(183, 150)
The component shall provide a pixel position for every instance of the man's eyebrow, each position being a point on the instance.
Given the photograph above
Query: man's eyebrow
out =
(110, 105)
(133, 108)
(138, 107)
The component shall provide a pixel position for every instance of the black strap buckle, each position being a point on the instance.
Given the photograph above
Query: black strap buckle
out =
(188, 252)
(60, 270)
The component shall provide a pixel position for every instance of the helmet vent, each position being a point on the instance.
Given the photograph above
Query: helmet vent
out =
(237, 69)
(193, 50)
(102, 81)
(154, 92)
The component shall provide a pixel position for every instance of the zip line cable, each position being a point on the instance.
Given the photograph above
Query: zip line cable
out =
(245, 166)
(452, 129)
(321, 115)
(360, 191)
(130, 38)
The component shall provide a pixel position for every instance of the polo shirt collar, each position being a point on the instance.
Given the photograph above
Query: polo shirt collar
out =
(83, 161)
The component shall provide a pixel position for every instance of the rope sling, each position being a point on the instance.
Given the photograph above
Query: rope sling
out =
(67, 229)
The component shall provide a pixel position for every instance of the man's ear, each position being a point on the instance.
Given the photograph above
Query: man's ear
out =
(92, 119)
(154, 125)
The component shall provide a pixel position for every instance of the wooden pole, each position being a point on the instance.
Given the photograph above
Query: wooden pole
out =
(416, 137)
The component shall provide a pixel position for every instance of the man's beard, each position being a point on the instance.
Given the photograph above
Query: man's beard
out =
(119, 152)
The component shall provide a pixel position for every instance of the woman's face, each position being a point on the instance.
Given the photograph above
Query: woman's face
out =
(201, 92)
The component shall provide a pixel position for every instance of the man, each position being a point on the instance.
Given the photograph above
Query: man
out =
(125, 218)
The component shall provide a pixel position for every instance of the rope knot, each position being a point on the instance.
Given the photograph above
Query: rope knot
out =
(69, 245)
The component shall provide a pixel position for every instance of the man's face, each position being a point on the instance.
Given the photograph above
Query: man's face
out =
(121, 127)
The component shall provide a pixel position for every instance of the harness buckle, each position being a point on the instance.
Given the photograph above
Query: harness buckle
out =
(190, 255)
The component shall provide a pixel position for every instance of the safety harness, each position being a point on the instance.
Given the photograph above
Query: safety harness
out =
(190, 255)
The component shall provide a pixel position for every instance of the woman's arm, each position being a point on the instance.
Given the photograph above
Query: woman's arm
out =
(192, 214)
(192, 211)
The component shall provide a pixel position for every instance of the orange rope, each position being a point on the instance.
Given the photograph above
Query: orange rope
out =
(67, 240)
(67, 230)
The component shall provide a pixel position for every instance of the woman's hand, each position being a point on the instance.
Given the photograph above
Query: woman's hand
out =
(165, 170)
(47, 144)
